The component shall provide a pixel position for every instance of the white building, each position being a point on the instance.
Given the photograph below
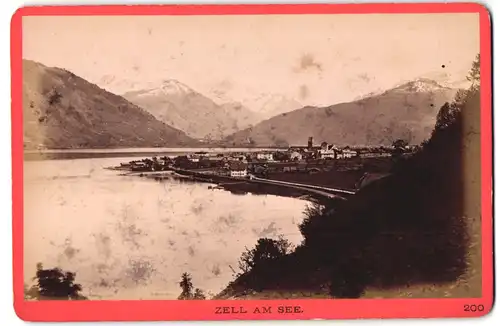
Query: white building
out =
(327, 153)
(296, 156)
(238, 170)
(346, 153)
(265, 156)
(239, 173)
(194, 158)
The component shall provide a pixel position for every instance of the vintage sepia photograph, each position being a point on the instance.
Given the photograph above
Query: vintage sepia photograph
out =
(249, 157)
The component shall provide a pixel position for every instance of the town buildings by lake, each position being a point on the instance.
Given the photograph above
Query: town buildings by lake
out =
(308, 159)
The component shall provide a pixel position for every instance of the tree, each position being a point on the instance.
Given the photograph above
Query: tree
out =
(188, 290)
(182, 161)
(400, 143)
(186, 285)
(156, 164)
(475, 72)
(398, 147)
(54, 284)
(265, 250)
(261, 170)
(312, 214)
(199, 294)
(449, 112)
(281, 156)
(446, 115)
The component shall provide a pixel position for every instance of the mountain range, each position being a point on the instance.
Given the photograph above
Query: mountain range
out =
(181, 107)
(407, 112)
(62, 110)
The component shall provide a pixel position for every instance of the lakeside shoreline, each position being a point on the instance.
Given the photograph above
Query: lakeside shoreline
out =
(66, 154)
(239, 186)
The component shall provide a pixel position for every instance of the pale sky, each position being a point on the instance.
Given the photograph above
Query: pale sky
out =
(314, 59)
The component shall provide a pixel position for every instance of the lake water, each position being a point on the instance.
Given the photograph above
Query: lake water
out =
(132, 238)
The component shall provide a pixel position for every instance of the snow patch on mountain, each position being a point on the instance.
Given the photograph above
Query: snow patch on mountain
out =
(167, 87)
(171, 86)
(420, 85)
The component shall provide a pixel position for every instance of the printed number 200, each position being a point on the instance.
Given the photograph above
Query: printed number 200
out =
(473, 307)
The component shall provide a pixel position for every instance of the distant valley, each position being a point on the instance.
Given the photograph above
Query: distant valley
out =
(271, 105)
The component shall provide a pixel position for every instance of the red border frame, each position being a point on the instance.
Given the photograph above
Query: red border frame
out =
(205, 310)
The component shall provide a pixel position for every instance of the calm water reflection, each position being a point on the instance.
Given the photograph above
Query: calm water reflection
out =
(132, 238)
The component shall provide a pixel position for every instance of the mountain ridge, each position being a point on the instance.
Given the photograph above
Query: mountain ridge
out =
(407, 111)
(62, 110)
(198, 116)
